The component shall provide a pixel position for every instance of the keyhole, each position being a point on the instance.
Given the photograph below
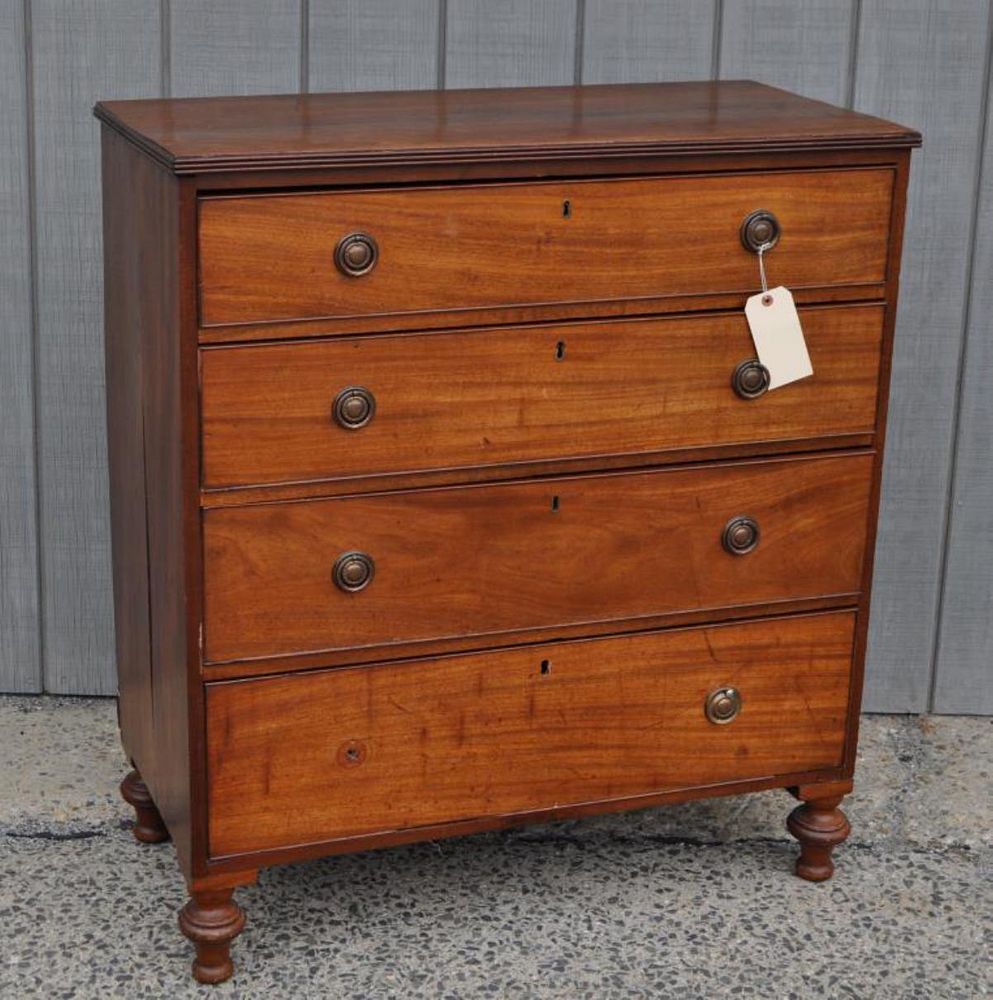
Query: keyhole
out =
(566, 209)
(546, 667)
(555, 504)
(560, 350)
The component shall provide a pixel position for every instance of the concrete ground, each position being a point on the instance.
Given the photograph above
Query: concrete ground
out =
(693, 901)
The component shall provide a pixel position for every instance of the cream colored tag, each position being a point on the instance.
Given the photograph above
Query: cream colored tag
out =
(778, 337)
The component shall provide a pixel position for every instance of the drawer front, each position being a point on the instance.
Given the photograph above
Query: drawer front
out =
(437, 401)
(516, 556)
(271, 258)
(311, 757)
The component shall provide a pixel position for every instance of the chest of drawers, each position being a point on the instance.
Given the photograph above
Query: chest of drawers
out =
(447, 491)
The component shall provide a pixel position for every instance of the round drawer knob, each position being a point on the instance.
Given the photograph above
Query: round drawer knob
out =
(760, 228)
(353, 571)
(750, 379)
(354, 407)
(356, 254)
(723, 705)
(741, 535)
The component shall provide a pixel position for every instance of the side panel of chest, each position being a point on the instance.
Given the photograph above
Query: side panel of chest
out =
(489, 397)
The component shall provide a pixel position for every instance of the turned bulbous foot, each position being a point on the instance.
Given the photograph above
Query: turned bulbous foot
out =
(148, 827)
(820, 826)
(211, 920)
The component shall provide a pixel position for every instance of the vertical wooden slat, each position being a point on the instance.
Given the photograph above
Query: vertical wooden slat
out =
(514, 43)
(20, 663)
(234, 47)
(802, 46)
(82, 51)
(964, 664)
(373, 45)
(921, 63)
(644, 41)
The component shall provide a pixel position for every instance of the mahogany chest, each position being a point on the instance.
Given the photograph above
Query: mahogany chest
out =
(448, 490)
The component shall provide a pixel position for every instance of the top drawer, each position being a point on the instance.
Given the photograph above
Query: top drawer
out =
(273, 257)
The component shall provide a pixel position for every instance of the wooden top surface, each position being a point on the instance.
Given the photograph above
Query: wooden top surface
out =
(201, 135)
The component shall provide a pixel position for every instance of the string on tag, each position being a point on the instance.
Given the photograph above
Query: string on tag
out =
(761, 250)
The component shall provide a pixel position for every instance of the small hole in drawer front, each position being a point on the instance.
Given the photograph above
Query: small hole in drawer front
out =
(560, 350)
(351, 753)
(546, 667)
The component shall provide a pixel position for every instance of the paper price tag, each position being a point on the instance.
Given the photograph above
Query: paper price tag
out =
(778, 336)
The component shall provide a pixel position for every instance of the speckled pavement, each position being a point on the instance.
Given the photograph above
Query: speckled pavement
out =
(693, 901)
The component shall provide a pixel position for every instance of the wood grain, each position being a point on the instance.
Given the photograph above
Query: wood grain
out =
(147, 446)
(670, 305)
(539, 501)
(519, 556)
(20, 656)
(872, 518)
(122, 182)
(464, 127)
(270, 258)
(234, 47)
(643, 40)
(927, 66)
(322, 756)
(80, 51)
(804, 46)
(419, 649)
(523, 395)
(372, 45)
(515, 43)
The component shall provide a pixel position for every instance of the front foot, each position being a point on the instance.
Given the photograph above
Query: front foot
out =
(820, 826)
(148, 827)
(212, 920)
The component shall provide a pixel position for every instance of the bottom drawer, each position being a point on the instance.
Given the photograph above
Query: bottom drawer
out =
(314, 757)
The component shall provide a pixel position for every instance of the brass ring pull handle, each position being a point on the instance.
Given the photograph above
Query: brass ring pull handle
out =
(750, 379)
(353, 571)
(723, 705)
(356, 254)
(760, 228)
(740, 535)
(354, 407)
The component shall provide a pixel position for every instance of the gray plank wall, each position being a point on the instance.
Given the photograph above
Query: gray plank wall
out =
(923, 63)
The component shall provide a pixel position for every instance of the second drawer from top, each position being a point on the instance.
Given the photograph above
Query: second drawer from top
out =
(362, 406)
